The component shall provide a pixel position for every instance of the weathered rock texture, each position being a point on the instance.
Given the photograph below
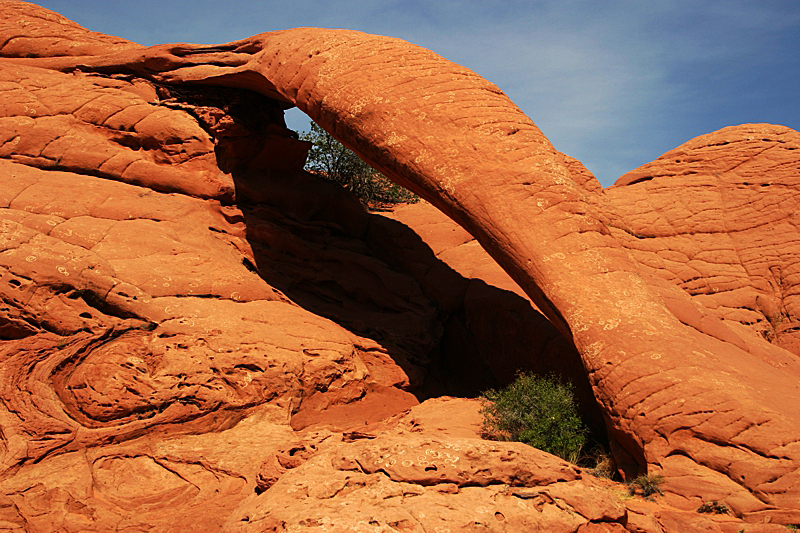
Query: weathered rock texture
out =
(406, 479)
(717, 217)
(197, 334)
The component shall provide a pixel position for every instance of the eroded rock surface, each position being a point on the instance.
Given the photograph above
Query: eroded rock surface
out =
(407, 481)
(717, 217)
(429, 469)
(193, 329)
(30, 31)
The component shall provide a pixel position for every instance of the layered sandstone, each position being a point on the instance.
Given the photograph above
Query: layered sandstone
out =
(197, 334)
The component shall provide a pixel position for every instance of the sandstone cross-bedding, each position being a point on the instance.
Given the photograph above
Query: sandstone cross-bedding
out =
(197, 334)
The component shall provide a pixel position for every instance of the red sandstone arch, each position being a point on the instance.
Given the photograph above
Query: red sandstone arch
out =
(684, 396)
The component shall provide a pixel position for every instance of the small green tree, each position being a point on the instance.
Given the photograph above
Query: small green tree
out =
(331, 159)
(536, 410)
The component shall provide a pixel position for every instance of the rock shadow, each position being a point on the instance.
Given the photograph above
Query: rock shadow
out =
(313, 241)
(377, 278)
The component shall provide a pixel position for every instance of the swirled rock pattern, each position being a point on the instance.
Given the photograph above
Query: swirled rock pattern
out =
(193, 327)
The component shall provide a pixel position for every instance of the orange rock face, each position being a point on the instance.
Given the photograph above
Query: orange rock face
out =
(406, 479)
(196, 334)
(717, 217)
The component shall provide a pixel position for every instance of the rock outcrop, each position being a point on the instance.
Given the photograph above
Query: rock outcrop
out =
(419, 476)
(717, 217)
(197, 334)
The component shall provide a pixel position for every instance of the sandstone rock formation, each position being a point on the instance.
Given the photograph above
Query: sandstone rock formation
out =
(406, 479)
(197, 334)
(728, 238)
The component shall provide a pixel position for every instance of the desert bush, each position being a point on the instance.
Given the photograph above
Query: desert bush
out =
(646, 486)
(599, 462)
(332, 160)
(715, 507)
(539, 411)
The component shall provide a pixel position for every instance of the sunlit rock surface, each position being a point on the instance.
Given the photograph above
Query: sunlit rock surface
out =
(196, 334)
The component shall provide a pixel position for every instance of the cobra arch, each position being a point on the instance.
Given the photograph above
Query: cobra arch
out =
(683, 395)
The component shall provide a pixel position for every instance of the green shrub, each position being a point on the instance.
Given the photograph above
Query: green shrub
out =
(646, 486)
(332, 160)
(536, 410)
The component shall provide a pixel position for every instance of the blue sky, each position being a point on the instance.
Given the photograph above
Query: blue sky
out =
(614, 83)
